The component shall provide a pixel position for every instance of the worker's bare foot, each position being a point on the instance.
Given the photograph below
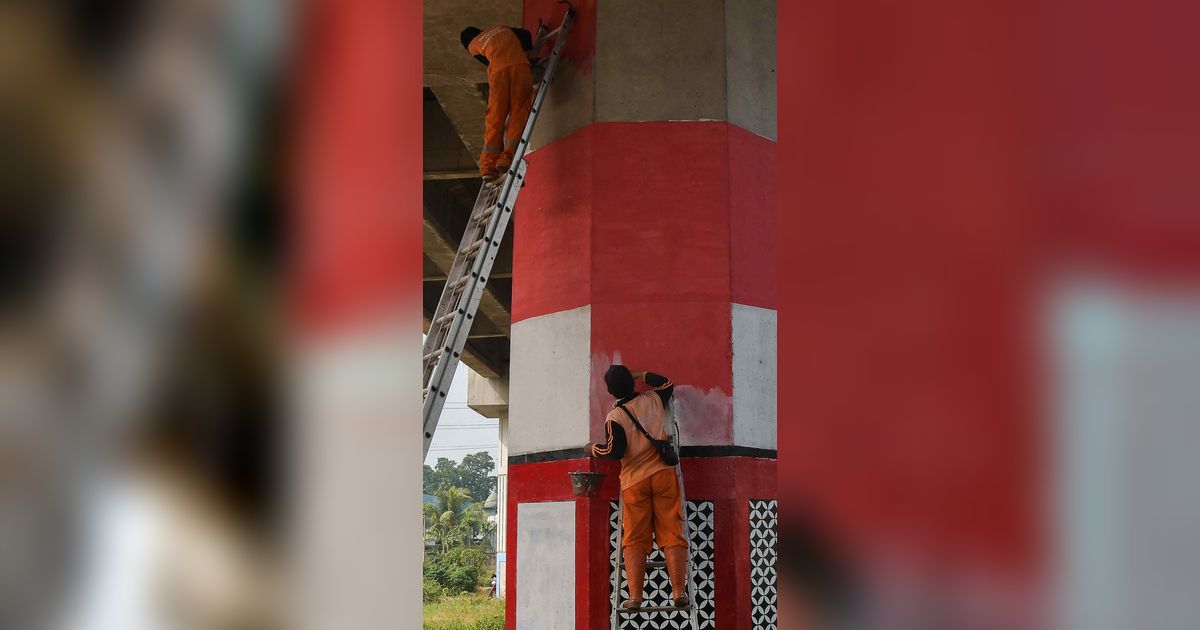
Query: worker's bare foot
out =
(631, 604)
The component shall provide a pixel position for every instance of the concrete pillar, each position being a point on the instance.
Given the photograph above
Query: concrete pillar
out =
(502, 509)
(646, 230)
(489, 398)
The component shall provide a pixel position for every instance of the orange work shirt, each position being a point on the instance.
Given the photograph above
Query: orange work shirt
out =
(500, 46)
(640, 460)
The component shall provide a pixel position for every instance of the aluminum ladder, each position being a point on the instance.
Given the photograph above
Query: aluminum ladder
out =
(692, 609)
(451, 322)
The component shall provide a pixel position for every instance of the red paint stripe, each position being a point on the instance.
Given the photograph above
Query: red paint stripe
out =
(581, 44)
(729, 482)
(689, 342)
(552, 228)
(752, 182)
(642, 213)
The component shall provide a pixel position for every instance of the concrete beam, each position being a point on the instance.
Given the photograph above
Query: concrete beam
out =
(476, 358)
(660, 60)
(750, 45)
(668, 60)
(487, 348)
(487, 396)
(501, 267)
(469, 173)
(466, 109)
(441, 251)
(452, 74)
(442, 150)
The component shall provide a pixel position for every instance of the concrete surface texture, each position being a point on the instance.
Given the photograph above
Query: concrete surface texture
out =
(660, 60)
(754, 382)
(551, 375)
(750, 65)
(664, 60)
(452, 74)
(487, 396)
(545, 554)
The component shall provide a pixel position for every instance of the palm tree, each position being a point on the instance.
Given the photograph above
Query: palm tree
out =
(451, 522)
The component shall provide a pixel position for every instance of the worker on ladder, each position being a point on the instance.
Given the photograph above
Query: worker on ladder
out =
(508, 54)
(649, 486)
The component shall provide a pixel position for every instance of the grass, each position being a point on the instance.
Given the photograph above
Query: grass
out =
(465, 612)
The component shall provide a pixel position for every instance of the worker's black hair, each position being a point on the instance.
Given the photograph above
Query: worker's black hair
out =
(619, 381)
(468, 34)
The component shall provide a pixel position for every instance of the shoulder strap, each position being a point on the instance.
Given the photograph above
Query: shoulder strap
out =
(638, 424)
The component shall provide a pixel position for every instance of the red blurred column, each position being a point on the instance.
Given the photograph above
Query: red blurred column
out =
(354, 281)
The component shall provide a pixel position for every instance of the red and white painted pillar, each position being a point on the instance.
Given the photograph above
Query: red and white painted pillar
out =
(646, 232)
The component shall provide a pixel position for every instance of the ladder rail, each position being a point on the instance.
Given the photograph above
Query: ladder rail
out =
(460, 325)
(451, 322)
(547, 80)
(614, 616)
(676, 440)
(436, 337)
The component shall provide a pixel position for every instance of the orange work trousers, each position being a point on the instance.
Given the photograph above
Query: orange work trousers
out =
(652, 507)
(510, 97)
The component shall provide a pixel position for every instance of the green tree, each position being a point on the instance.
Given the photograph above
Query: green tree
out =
(472, 475)
(477, 469)
(430, 479)
(450, 522)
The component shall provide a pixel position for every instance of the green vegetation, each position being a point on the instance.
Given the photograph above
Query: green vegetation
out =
(450, 522)
(461, 570)
(472, 475)
(459, 542)
(465, 612)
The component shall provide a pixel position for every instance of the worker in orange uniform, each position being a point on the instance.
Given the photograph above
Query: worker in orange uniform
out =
(507, 52)
(649, 485)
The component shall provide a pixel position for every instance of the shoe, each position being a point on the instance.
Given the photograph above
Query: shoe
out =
(631, 604)
(682, 602)
(490, 178)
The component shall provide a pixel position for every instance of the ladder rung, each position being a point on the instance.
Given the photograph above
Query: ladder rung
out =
(652, 565)
(475, 246)
(445, 318)
(652, 609)
(486, 214)
(433, 355)
(461, 282)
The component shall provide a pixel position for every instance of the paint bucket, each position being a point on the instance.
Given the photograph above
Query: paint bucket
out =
(586, 484)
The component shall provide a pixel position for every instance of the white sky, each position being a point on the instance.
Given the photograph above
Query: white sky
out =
(460, 430)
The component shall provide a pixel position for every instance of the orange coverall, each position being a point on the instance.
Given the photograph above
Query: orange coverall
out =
(510, 95)
(649, 487)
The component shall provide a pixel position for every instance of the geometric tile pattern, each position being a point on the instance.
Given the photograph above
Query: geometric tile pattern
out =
(657, 591)
(764, 597)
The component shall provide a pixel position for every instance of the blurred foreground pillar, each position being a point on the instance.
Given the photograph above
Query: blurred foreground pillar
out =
(356, 175)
